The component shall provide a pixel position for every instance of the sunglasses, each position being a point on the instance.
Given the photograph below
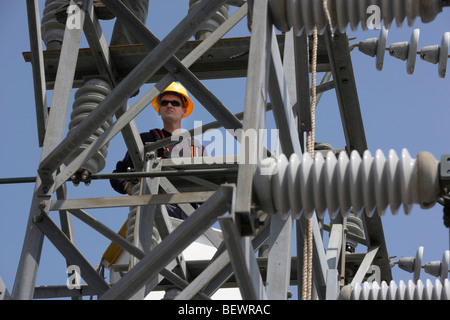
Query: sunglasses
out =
(165, 103)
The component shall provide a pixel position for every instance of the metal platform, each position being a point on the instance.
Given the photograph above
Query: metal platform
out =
(226, 59)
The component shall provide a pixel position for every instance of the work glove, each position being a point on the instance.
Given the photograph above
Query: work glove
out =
(129, 187)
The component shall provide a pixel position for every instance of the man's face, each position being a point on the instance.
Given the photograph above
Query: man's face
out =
(168, 111)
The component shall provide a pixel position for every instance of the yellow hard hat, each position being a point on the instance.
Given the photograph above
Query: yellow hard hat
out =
(178, 89)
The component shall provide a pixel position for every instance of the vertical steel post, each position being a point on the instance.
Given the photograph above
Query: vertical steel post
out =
(254, 112)
(243, 260)
(31, 252)
(37, 63)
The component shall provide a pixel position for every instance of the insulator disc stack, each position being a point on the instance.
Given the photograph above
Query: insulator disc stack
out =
(213, 22)
(402, 291)
(131, 223)
(87, 98)
(345, 184)
(407, 51)
(51, 29)
(305, 15)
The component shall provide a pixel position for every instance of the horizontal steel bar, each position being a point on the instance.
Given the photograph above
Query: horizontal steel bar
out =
(229, 60)
(126, 201)
(124, 175)
(18, 180)
(168, 173)
(63, 291)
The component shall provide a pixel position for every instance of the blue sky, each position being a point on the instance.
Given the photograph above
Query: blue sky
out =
(399, 111)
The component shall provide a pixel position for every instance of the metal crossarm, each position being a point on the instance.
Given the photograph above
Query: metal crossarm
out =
(347, 96)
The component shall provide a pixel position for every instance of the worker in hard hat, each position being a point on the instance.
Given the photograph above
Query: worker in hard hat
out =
(172, 104)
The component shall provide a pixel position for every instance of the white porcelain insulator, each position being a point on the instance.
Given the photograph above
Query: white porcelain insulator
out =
(345, 184)
(305, 15)
(87, 98)
(402, 291)
(51, 29)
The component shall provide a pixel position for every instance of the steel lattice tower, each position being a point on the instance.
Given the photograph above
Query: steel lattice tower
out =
(255, 209)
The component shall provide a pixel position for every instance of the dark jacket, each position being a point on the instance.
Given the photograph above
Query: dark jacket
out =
(154, 135)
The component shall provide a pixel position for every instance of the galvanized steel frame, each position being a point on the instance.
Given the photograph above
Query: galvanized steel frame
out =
(267, 74)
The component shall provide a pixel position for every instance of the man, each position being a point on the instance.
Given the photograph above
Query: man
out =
(172, 105)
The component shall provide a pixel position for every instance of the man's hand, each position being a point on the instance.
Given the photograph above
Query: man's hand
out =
(129, 188)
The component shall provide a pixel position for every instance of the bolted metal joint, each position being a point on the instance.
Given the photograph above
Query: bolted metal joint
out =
(38, 218)
(81, 176)
(446, 217)
(149, 156)
(444, 179)
(444, 172)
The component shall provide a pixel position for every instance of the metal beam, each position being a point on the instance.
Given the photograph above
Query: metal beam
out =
(332, 256)
(125, 201)
(31, 251)
(334, 246)
(37, 64)
(346, 92)
(282, 103)
(70, 252)
(65, 219)
(219, 270)
(364, 267)
(210, 234)
(64, 216)
(347, 96)
(172, 245)
(320, 267)
(254, 112)
(206, 276)
(243, 260)
(227, 58)
(107, 232)
(279, 260)
(62, 291)
(303, 109)
(121, 242)
(149, 216)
